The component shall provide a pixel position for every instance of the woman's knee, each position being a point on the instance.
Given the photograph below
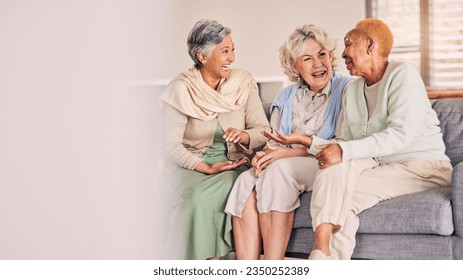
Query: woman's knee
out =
(279, 167)
(246, 178)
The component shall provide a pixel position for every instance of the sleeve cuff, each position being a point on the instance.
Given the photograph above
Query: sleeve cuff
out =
(316, 141)
(246, 149)
(345, 151)
(193, 163)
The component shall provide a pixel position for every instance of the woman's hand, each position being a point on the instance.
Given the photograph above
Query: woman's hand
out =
(263, 158)
(236, 136)
(292, 138)
(257, 157)
(218, 167)
(329, 155)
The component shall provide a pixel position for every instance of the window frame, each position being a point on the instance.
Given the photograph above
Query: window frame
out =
(425, 62)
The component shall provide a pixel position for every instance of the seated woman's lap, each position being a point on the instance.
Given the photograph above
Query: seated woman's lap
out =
(277, 187)
(282, 182)
(197, 190)
(399, 178)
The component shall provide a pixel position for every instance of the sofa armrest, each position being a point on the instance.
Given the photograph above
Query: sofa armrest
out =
(457, 198)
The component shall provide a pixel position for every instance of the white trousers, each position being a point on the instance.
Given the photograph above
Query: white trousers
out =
(278, 186)
(344, 190)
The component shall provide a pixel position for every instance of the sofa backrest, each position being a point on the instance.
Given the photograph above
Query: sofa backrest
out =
(450, 113)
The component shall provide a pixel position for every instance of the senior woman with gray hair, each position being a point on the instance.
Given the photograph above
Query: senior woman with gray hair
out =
(212, 117)
(263, 199)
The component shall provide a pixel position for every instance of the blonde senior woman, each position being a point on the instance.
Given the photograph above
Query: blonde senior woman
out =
(391, 142)
(212, 117)
(264, 198)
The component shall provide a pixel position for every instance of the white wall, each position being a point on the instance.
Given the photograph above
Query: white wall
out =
(77, 141)
(259, 27)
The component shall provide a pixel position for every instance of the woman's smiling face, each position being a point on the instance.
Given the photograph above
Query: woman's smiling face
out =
(315, 65)
(355, 54)
(217, 65)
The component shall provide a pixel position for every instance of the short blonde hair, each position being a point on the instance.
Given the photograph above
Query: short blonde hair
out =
(377, 29)
(294, 47)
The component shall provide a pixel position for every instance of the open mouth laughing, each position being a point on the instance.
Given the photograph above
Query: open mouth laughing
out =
(319, 74)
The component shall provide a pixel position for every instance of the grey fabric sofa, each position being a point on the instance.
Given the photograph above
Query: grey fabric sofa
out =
(426, 225)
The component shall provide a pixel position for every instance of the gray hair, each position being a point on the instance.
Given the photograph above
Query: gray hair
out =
(204, 36)
(294, 47)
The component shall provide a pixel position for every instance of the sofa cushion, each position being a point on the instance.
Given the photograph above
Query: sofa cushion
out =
(401, 215)
(450, 113)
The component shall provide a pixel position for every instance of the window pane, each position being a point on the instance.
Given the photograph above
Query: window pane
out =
(446, 43)
(445, 57)
(403, 18)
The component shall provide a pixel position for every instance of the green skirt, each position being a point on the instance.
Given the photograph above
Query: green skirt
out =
(199, 225)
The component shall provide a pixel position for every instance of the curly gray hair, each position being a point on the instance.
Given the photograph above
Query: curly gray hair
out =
(204, 36)
(294, 47)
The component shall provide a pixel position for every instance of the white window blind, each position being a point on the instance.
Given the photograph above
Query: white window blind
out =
(446, 43)
(427, 34)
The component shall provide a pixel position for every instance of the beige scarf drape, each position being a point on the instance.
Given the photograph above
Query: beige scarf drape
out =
(189, 94)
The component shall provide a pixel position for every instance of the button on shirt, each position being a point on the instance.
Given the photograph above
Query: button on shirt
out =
(308, 111)
(371, 97)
